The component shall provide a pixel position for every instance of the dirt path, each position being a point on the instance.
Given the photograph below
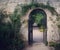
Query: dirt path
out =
(38, 38)
(39, 46)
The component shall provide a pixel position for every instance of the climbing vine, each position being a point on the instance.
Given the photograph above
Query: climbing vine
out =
(26, 7)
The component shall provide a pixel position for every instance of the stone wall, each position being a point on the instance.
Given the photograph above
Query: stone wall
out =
(52, 30)
(10, 4)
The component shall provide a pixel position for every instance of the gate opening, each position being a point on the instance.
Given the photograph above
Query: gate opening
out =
(37, 26)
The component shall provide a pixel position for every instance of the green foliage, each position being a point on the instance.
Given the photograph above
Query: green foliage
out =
(26, 7)
(10, 34)
(38, 17)
(55, 45)
(15, 18)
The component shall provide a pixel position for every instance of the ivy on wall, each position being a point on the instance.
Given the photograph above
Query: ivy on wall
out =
(26, 7)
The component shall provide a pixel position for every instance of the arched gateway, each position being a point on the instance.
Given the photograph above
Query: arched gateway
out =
(42, 22)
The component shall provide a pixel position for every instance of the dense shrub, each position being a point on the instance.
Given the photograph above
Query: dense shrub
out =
(10, 34)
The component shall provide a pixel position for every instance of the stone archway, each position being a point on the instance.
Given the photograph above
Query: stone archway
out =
(30, 26)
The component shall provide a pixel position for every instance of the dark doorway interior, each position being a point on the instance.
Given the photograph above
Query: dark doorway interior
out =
(37, 18)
